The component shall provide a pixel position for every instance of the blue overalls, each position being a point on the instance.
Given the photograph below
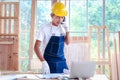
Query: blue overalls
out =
(54, 54)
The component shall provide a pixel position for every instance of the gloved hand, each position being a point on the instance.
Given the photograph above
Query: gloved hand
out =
(45, 68)
(65, 27)
(66, 71)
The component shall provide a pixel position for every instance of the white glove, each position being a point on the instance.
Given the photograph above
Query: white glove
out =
(65, 27)
(66, 71)
(45, 68)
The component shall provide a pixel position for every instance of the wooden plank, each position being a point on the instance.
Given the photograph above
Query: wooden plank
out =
(9, 56)
(0, 10)
(1, 58)
(109, 53)
(98, 27)
(78, 39)
(8, 35)
(119, 40)
(16, 21)
(6, 42)
(14, 54)
(33, 17)
(98, 41)
(5, 62)
(0, 26)
(89, 35)
(5, 20)
(108, 43)
(8, 17)
(103, 62)
(0, 20)
(9, 3)
(116, 58)
(98, 47)
(53, 1)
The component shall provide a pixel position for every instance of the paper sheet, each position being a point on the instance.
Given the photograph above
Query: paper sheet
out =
(52, 76)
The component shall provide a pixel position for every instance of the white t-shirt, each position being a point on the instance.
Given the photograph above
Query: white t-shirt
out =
(45, 33)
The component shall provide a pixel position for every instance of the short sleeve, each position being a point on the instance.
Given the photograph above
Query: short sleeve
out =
(40, 34)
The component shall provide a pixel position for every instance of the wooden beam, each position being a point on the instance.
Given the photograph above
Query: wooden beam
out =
(9, 3)
(98, 43)
(8, 17)
(10, 7)
(8, 35)
(119, 40)
(103, 62)
(5, 19)
(53, 1)
(78, 39)
(7, 42)
(0, 20)
(33, 24)
(116, 58)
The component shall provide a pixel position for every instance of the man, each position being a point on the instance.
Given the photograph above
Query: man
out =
(51, 38)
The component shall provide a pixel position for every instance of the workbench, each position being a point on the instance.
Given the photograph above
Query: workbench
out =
(46, 77)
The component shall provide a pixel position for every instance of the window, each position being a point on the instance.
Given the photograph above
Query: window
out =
(25, 20)
(113, 15)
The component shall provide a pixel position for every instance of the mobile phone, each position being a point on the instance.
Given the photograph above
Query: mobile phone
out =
(63, 20)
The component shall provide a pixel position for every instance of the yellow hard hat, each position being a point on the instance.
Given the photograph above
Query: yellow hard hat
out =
(59, 9)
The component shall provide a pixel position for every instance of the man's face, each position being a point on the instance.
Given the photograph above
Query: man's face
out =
(56, 20)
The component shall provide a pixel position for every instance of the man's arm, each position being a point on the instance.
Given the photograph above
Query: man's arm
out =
(37, 50)
(45, 67)
(67, 38)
